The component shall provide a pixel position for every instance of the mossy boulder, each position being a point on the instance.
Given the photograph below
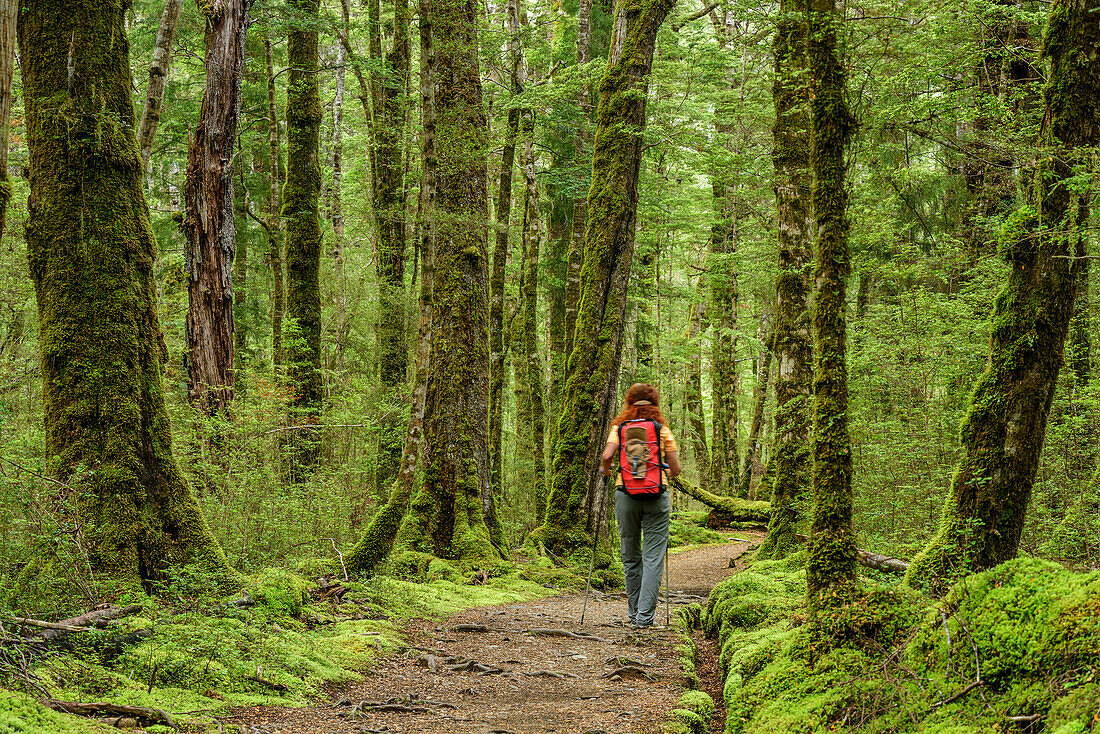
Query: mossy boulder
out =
(281, 592)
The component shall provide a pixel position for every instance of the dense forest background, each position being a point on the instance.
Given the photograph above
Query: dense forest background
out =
(947, 98)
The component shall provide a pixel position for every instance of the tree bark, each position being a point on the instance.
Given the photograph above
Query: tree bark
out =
(446, 515)
(91, 254)
(377, 541)
(210, 219)
(577, 506)
(9, 14)
(532, 359)
(722, 274)
(301, 201)
(274, 221)
(389, 201)
(693, 399)
(158, 76)
(1003, 432)
(752, 469)
(793, 339)
(831, 571)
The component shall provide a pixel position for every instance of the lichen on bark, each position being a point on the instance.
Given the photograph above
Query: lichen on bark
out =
(91, 254)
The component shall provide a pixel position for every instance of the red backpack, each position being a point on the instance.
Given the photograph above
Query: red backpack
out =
(640, 457)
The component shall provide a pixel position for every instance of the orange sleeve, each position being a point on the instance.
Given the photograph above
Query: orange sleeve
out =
(668, 443)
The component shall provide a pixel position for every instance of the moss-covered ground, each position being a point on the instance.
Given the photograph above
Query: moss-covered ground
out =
(195, 657)
(1016, 648)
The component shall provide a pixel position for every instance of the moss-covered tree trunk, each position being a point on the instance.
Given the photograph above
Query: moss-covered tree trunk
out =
(693, 398)
(91, 254)
(446, 515)
(831, 571)
(274, 223)
(577, 506)
(389, 203)
(752, 468)
(301, 201)
(497, 343)
(9, 14)
(158, 78)
(377, 541)
(722, 267)
(210, 219)
(531, 362)
(1003, 432)
(794, 230)
(722, 275)
(389, 215)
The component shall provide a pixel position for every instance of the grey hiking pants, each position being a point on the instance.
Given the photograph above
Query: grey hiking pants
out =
(643, 530)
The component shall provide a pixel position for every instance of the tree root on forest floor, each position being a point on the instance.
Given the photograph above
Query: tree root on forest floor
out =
(566, 633)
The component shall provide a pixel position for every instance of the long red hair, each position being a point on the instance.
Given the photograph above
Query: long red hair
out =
(632, 411)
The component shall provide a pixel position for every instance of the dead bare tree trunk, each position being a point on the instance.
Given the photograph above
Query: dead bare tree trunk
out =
(9, 12)
(209, 223)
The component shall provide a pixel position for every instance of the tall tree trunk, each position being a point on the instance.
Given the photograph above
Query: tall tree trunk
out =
(831, 570)
(301, 199)
(389, 202)
(1003, 432)
(210, 220)
(582, 143)
(91, 254)
(497, 351)
(577, 506)
(389, 216)
(722, 268)
(752, 469)
(793, 338)
(377, 541)
(158, 76)
(9, 14)
(446, 517)
(693, 399)
(274, 220)
(243, 204)
(338, 146)
(532, 357)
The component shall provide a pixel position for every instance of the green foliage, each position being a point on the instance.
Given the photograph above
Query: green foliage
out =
(689, 528)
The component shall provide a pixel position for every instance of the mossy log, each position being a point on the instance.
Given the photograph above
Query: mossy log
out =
(142, 714)
(726, 510)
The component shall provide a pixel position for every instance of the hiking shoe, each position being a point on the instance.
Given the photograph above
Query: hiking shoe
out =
(652, 626)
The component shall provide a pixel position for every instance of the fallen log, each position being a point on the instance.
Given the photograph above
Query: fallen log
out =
(726, 510)
(141, 713)
(81, 623)
(876, 561)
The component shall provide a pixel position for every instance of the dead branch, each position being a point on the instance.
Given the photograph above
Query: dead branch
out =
(141, 713)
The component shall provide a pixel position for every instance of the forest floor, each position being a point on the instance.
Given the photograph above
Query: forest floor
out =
(489, 670)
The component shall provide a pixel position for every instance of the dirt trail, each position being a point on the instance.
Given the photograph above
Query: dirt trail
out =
(484, 671)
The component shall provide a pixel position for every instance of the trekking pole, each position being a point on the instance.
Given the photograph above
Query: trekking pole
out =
(592, 562)
(668, 615)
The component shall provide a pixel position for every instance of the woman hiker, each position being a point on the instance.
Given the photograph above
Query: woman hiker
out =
(648, 458)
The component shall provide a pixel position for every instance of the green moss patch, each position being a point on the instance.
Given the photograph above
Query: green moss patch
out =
(689, 528)
(22, 715)
(1018, 643)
